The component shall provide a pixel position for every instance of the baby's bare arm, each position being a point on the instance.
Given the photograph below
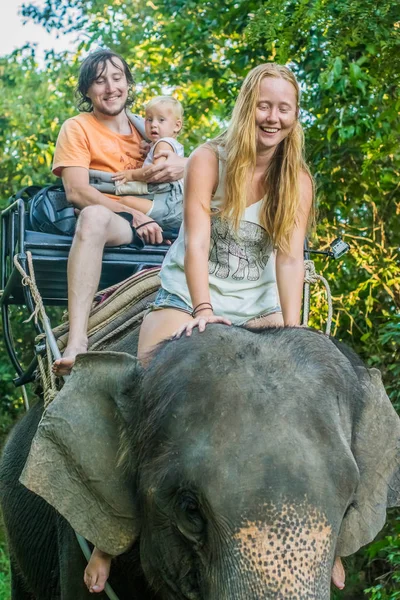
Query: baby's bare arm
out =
(130, 175)
(140, 174)
(161, 147)
(124, 176)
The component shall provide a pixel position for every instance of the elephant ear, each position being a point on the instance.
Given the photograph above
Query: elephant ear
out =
(73, 461)
(376, 449)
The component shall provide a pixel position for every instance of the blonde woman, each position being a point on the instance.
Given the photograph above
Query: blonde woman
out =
(248, 200)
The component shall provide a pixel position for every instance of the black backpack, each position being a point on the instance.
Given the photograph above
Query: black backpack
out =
(25, 193)
(50, 211)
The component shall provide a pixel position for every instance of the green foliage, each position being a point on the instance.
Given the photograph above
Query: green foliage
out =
(33, 104)
(346, 54)
(5, 578)
(386, 550)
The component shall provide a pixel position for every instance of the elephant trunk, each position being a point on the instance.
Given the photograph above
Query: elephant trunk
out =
(251, 589)
(291, 558)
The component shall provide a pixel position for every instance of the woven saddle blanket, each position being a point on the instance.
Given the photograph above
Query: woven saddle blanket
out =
(117, 313)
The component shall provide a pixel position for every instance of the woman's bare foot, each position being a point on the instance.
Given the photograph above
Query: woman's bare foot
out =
(97, 571)
(62, 366)
(338, 574)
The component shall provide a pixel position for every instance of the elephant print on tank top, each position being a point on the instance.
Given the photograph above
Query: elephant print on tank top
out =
(246, 252)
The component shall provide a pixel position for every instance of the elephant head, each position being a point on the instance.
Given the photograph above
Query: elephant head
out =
(251, 460)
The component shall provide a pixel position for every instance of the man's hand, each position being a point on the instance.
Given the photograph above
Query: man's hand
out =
(151, 233)
(149, 230)
(171, 169)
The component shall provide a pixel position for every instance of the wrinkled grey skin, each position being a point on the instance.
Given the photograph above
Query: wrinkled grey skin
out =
(252, 465)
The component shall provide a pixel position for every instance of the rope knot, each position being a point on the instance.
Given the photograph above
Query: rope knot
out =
(310, 275)
(26, 281)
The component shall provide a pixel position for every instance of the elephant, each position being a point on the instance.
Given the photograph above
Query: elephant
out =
(252, 252)
(236, 466)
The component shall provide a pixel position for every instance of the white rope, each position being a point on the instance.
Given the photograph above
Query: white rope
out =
(311, 277)
(48, 378)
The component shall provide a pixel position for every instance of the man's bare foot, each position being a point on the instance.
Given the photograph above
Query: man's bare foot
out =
(338, 574)
(97, 571)
(62, 366)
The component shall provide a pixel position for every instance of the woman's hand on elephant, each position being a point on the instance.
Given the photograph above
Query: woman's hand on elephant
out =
(201, 323)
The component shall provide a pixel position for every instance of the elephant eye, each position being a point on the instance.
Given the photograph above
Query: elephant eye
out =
(190, 521)
(188, 504)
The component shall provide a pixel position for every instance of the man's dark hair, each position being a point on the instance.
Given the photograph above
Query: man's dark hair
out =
(90, 71)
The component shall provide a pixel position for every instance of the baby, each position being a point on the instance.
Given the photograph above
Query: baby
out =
(163, 122)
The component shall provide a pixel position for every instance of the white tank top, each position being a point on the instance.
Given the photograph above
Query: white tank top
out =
(177, 147)
(241, 264)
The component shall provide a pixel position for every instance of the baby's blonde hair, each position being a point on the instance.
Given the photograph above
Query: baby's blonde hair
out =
(173, 102)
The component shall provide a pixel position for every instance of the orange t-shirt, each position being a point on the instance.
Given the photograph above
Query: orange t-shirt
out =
(85, 142)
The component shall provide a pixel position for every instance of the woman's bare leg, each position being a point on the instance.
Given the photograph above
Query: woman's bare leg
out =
(273, 320)
(157, 326)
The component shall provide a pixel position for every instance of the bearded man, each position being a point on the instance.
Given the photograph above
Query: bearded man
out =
(102, 138)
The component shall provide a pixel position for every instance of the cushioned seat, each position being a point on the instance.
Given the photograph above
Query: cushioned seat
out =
(50, 256)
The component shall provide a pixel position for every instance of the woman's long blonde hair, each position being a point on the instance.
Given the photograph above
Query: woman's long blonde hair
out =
(280, 203)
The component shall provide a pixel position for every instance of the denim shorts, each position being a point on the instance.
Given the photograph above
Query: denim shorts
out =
(166, 299)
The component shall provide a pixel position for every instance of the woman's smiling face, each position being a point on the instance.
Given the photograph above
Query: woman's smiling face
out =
(276, 112)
